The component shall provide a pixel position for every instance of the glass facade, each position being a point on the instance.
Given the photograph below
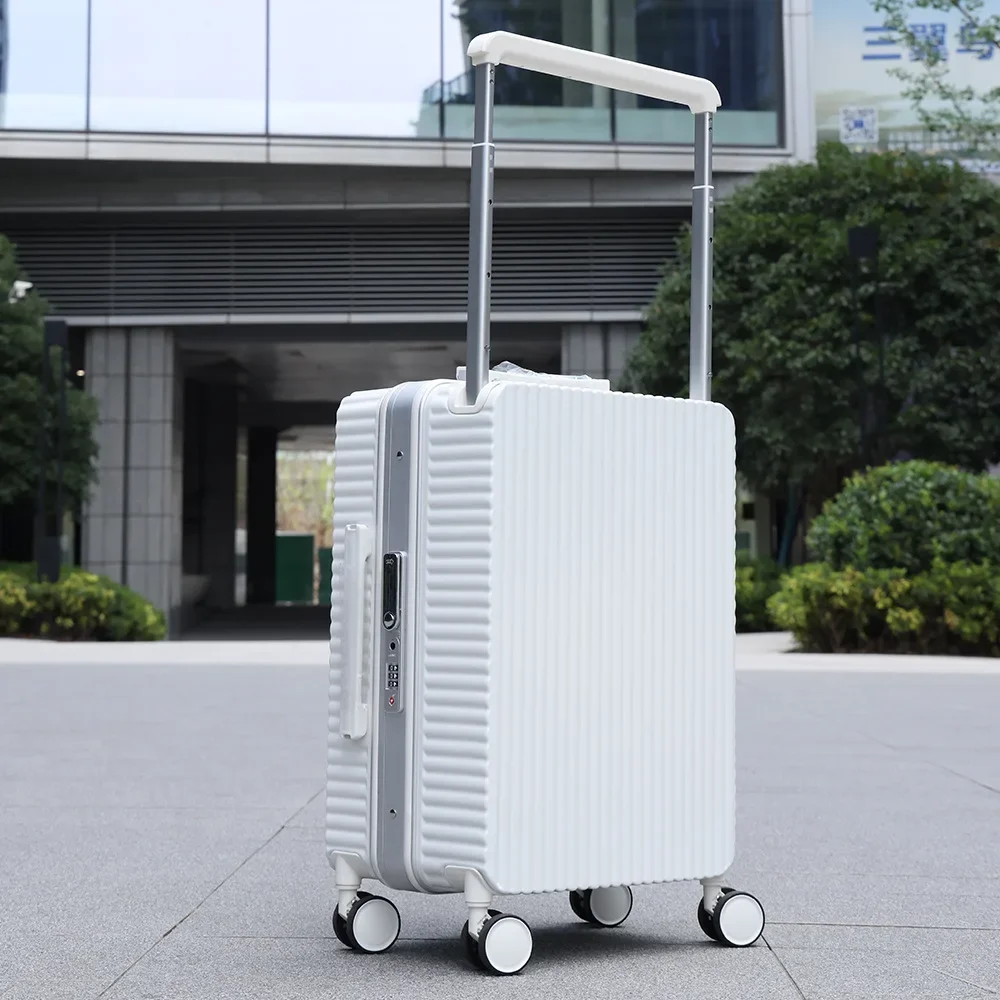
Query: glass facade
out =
(378, 68)
(43, 77)
(353, 67)
(184, 66)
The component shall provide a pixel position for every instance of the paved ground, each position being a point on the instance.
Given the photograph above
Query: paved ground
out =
(161, 836)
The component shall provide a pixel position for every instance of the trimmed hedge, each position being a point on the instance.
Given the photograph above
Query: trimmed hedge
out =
(80, 605)
(909, 516)
(908, 562)
(757, 580)
(953, 609)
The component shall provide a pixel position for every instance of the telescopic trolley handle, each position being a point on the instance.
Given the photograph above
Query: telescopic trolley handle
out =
(488, 51)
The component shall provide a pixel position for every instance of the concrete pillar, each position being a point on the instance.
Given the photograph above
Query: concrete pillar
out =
(262, 483)
(800, 104)
(131, 523)
(220, 432)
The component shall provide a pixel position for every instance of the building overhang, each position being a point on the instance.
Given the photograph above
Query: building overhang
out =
(412, 153)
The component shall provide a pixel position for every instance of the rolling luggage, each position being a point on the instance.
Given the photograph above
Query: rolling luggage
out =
(533, 615)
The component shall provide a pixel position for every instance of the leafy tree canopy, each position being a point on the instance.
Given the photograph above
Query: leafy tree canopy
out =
(785, 356)
(21, 351)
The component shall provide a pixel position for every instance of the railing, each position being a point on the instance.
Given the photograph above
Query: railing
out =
(455, 91)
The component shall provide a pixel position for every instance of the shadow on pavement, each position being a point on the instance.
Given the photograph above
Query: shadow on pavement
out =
(263, 622)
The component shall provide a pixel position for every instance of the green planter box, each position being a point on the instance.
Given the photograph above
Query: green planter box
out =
(325, 574)
(295, 558)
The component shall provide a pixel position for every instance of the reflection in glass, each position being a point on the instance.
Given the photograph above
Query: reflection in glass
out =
(349, 68)
(529, 105)
(43, 64)
(734, 43)
(197, 66)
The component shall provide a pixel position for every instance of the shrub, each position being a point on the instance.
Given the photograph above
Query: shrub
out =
(133, 619)
(756, 581)
(908, 516)
(14, 603)
(80, 605)
(952, 609)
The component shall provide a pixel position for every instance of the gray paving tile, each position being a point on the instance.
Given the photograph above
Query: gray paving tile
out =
(901, 711)
(314, 814)
(963, 943)
(826, 975)
(875, 900)
(47, 966)
(86, 893)
(795, 843)
(119, 736)
(864, 776)
(831, 963)
(981, 766)
(135, 795)
(567, 962)
(881, 815)
(127, 795)
(62, 870)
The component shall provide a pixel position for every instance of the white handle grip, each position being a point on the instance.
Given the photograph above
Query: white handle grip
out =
(503, 47)
(353, 710)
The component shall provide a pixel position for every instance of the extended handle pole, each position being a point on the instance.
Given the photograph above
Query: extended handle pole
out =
(702, 238)
(477, 358)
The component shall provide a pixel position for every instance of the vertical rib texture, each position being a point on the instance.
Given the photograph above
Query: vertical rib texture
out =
(576, 726)
(355, 485)
(453, 654)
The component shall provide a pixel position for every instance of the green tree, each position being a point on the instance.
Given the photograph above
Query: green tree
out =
(786, 359)
(21, 352)
(960, 113)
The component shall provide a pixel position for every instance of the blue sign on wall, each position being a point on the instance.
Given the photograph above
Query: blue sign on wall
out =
(857, 60)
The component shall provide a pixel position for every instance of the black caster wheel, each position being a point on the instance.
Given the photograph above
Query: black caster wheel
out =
(504, 944)
(471, 946)
(738, 919)
(705, 918)
(340, 929)
(578, 904)
(340, 924)
(372, 926)
(608, 906)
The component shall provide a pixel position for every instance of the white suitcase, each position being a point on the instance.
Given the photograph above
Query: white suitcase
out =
(533, 616)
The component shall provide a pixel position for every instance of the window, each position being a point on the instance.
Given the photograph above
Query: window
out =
(734, 43)
(528, 105)
(344, 68)
(43, 64)
(196, 66)
(379, 69)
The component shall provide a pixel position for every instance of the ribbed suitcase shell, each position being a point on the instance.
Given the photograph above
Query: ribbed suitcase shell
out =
(573, 679)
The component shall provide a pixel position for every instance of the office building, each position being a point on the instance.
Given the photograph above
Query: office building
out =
(246, 209)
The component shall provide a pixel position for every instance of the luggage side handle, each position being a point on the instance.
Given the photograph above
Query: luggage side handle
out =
(353, 710)
(701, 96)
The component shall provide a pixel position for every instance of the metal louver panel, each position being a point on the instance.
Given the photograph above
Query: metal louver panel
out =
(374, 262)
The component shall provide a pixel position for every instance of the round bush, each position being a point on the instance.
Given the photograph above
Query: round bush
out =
(909, 516)
(80, 605)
